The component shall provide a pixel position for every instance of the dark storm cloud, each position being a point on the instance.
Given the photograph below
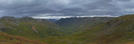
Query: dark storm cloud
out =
(20, 8)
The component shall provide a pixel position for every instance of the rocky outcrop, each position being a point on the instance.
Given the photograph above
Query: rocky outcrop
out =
(8, 18)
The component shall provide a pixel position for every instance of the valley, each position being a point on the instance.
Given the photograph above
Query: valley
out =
(86, 30)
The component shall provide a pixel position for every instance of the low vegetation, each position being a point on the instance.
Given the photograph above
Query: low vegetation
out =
(10, 39)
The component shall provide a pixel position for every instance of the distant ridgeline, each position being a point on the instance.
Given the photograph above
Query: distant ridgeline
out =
(75, 24)
(52, 20)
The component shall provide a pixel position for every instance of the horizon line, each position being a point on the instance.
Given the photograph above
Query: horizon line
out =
(59, 17)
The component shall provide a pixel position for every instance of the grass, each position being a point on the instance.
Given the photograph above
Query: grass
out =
(24, 28)
(10, 39)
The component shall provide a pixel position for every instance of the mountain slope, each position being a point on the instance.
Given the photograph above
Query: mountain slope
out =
(119, 30)
(80, 24)
(29, 27)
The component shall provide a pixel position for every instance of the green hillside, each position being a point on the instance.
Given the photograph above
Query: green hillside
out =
(10, 39)
(119, 30)
(116, 31)
(80, 24)
(29, 27)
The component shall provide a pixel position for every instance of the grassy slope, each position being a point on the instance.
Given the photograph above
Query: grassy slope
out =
(119, 30)
(9, 39)
(80, 24)
(116, 31)
(23, 28)
(74, 38)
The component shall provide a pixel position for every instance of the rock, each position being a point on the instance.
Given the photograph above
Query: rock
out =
(11, 27)
(8, 18)
(2, 25)
(15, 24)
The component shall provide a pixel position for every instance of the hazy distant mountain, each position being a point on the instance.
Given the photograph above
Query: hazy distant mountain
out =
(52, 20)
(79, 24)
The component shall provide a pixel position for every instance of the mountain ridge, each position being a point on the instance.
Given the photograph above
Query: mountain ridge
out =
(80, 24)
(100, 30)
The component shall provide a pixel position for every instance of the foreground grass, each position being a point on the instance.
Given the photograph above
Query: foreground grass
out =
(9, 39)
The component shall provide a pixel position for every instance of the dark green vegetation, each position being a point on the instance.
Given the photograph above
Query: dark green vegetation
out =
(97, 30)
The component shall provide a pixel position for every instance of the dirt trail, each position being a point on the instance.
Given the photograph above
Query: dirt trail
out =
(34, 29)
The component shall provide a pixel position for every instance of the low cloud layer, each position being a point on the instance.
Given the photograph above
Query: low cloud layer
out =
(42, 8)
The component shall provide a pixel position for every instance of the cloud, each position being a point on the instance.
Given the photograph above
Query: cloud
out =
(19, 8)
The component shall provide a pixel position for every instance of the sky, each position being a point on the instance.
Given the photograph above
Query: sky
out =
(65, 8)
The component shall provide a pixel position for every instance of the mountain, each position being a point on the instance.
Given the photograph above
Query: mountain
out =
(10, 39)
(29, 27)
(100, 30)
(80, 24)
(52, 20)
(119, 30)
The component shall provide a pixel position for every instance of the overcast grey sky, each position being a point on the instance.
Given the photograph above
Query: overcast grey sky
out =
(40, 8)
